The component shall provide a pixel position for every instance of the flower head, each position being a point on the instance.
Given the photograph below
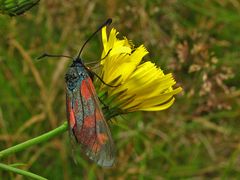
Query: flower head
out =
(137, 86)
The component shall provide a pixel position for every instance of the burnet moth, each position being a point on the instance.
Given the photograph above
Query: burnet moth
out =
(87, 125)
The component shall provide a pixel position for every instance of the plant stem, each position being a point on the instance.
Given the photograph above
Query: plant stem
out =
(42, 138)
(22, 172)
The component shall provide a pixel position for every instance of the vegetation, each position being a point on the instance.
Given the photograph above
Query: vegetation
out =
(196, 138)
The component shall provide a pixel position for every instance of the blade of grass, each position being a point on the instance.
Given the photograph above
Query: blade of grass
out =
(22, 172)
(42, 138)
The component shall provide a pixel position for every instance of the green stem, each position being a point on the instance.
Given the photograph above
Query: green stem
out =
(22, 172)
(42, 138)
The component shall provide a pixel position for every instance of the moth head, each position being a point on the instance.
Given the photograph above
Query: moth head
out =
(72, 77)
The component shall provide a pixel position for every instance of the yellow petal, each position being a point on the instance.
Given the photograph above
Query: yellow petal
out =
(158, 108)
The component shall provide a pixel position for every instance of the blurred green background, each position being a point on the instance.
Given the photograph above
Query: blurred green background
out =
(198, 41)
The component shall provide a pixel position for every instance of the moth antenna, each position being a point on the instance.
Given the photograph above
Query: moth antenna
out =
(95, 74)
(95, 62)
(52, 55)
(108, 22)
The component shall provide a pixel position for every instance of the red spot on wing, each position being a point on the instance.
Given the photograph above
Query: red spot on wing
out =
(96, 145)
(92, 141)
(89, 139)
(85, 91)
(89, 122)
(102, 138)
(91, 85)
(98, 114)
(71, 117)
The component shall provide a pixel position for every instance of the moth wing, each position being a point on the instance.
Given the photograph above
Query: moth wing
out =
(102, 151)
(88, 125)
(71, 115)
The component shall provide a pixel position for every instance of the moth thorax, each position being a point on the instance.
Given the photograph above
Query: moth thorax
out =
(74, 76)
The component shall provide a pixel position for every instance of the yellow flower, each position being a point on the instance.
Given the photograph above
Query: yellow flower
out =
(138, 86)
